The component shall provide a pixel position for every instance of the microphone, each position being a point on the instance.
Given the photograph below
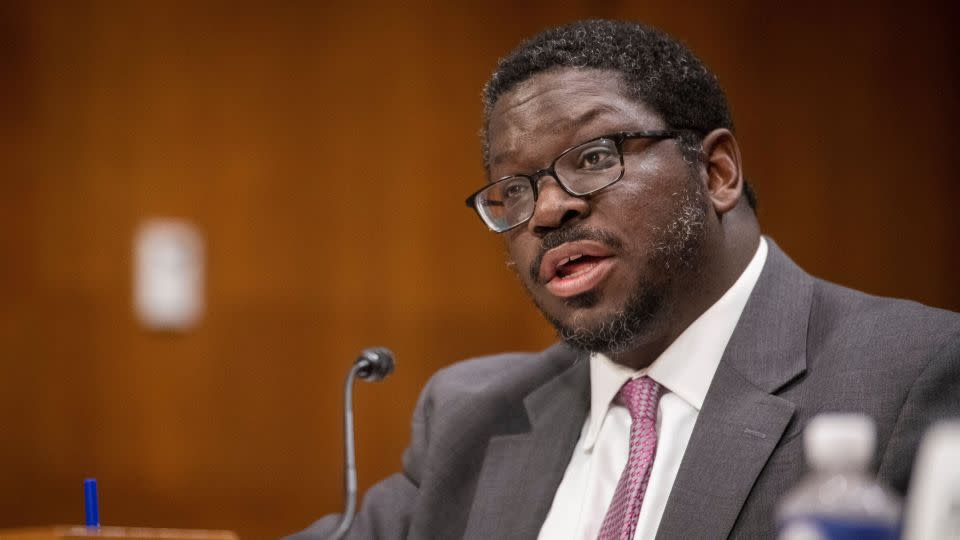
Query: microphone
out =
(372, 365)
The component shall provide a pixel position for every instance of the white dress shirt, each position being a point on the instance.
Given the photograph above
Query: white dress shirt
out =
(685, 370)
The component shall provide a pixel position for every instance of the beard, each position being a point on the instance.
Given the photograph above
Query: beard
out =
(676, 252)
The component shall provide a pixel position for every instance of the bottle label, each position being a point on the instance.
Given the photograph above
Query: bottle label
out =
(831, 528)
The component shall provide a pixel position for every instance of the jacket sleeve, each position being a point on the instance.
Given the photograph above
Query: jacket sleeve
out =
(934, 396)
(387, 506)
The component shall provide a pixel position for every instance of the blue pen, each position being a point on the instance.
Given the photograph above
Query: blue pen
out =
(90, 498)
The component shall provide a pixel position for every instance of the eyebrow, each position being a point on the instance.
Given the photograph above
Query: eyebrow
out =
(564, 124)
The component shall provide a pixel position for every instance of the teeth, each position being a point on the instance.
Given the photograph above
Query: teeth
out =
(569, 259)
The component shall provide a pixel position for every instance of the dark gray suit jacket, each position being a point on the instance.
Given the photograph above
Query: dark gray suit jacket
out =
(492, 436)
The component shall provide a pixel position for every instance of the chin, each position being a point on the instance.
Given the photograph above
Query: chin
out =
(585, 301)
(588, 325)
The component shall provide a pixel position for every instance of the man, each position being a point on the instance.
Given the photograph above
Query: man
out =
(694, 351)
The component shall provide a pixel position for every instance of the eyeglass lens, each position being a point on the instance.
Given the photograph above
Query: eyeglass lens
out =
(582, 170)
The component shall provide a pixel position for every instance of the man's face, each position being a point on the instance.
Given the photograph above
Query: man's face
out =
(604, 269)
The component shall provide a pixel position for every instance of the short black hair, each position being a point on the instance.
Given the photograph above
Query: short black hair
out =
(657, 70)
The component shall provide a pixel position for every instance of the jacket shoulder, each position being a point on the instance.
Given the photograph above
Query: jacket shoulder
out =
(514, 372)
(844, 316)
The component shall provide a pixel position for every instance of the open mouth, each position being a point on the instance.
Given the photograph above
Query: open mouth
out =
(575, 268)
(576, 265)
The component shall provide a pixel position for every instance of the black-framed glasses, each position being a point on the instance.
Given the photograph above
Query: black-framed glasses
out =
(579, 170)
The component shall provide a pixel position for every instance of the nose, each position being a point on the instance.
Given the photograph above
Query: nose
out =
(555, 207)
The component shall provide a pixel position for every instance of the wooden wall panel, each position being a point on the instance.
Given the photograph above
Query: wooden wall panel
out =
(324, 151)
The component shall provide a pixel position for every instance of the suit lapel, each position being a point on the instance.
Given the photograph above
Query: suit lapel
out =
(742, 421)
(735, 434)
(521, 471)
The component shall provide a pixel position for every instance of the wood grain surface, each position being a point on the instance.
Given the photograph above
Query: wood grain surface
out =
(324, 151)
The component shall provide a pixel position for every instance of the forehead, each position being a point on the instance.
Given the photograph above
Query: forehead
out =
(555, 109)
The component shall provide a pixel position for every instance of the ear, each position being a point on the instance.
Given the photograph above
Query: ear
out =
(724, 175)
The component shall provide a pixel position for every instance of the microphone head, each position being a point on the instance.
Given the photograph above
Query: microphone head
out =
(374, 363)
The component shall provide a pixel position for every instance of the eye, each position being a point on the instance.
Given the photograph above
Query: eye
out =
(516, 190)
(598, 156)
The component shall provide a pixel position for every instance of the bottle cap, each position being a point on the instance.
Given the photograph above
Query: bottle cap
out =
(840, 441)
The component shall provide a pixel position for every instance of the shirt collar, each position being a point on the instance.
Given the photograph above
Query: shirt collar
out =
(687, 366)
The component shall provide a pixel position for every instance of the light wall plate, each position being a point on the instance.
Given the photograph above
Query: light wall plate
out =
(168, 275)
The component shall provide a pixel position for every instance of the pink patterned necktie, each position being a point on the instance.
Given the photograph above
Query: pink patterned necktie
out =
(641, 397)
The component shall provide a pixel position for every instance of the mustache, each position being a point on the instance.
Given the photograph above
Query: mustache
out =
(574, 233)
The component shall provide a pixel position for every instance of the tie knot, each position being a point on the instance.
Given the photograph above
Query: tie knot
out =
(641, 397)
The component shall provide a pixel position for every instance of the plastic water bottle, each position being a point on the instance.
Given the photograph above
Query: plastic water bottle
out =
(933, 501)
(840, 498)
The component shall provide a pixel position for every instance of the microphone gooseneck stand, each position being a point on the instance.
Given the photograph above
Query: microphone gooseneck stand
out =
(373, 365)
